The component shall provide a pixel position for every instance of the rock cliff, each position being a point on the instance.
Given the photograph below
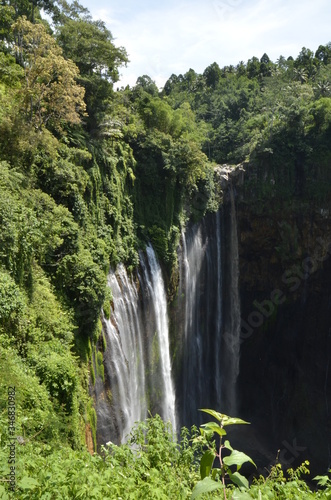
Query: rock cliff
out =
(284, 385)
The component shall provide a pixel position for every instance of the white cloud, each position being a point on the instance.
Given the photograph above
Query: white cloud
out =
(172, 37)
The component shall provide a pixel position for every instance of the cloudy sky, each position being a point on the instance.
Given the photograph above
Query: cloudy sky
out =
(175, 35)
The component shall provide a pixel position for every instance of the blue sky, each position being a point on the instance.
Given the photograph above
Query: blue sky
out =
(175, 35)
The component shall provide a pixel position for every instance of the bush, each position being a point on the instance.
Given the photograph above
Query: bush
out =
(84, 284)
(12, 300)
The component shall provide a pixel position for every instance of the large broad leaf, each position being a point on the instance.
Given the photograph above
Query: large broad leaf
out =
(224, 419)
(205, 486)
(237, 458)
(206, 463)
(214, 427)
(28, 483)
(238, 479)
(213, 413)
(322, 480)
(232, 420)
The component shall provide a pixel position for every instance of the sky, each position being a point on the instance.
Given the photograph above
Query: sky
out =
(172, 36)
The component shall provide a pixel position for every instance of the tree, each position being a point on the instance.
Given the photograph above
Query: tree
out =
(190, 79)
(301, 75)
(253, 67)
(266, 65)
(147, 84)
(28, 8)
(49, 90)
(90, 45)
(306, 61)
(7, 15)
(212, 75)
(323, 53)
(170, 84)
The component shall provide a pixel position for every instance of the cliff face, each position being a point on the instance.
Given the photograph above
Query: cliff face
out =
(284, 385)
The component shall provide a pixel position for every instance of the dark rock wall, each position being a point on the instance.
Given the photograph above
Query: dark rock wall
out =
(284, 386)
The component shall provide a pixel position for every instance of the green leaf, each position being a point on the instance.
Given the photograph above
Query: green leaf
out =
(214, 427)
(241, 495)
(227, 445)
(205, 486)
(215, 471)
(28, 483)
(238, 479)
(237, 458)
(224, 419)
(206, 463)
(322, 480)
(213, 413)
(232, 420)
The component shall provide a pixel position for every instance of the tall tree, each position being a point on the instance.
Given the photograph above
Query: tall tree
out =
(212, 75)
(90, 45)
(49, 91)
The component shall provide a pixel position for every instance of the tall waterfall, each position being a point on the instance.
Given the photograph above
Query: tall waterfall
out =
(233, 321)
(155, 284)
(207, 316)
(199, 316)
(124, 357)
(137, 358)
(204, 322)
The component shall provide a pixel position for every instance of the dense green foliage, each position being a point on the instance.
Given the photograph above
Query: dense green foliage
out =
(89, 175)
(154, 467)
(273, 116)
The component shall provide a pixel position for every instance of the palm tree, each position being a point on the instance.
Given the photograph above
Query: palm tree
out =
(301, 75)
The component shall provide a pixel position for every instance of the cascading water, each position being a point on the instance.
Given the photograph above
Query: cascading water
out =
(137, 358)
(199, 318)
(124, 357)
(205, 328)
(233, 320)
(207, 316)
(155, 284)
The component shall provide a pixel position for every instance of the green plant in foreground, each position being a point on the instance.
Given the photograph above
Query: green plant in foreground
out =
(325, 482)
(209, 475)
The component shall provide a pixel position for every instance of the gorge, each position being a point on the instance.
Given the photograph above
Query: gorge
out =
(203, 330)
(228, 310)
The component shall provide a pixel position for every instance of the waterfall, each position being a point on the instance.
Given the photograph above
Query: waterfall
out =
(137, 358)
(199, 318)
(232, 324)
(219, 316)
(204, 326)
(207, 316)
(193, 253)
(124, 357)
(155, 284)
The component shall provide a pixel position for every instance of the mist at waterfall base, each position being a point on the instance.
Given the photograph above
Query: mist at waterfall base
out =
(173, 359)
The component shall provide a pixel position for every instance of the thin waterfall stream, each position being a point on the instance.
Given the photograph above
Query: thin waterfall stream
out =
(124, 359)
(233, 320)
(200, 297)
(157, 291)
(137, 358)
